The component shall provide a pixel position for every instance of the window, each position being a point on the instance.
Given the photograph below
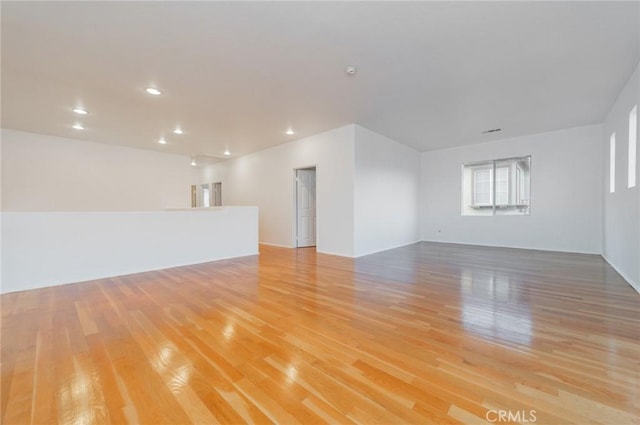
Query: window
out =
(612, 163)
(482, 187)
(497, 187)
(502, 186)
(633, 140)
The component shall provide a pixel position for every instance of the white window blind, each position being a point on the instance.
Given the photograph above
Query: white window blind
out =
(502, 186)
(482, 190)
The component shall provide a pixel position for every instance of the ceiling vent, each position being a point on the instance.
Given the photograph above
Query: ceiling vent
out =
(351, 70)
(493, 130)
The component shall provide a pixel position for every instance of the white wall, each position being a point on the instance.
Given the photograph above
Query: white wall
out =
(621, 232)
(387, 192)
(566, 188)
(49, 248)
(266, 179)
(47, 173)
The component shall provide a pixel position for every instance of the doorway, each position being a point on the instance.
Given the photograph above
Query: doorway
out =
(206, 195)
(217, 194)
(305, 207)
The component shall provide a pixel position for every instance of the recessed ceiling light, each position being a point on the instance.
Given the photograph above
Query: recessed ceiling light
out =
(351, 70)
(162, 141)
(80, 111)
(154, 91)
(290, 132)
(226, 152)
(193, 163)
(178, 130)
(78, 126)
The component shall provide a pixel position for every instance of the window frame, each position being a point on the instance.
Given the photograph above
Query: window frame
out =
(612, 163)
(515, 189)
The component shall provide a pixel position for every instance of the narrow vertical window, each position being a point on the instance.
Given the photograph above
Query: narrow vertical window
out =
(612, 163)
(633, 141)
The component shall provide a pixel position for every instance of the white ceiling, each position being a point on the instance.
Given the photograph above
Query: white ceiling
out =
(235, 74)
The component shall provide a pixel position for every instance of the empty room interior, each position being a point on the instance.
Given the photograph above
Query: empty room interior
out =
(320, 212)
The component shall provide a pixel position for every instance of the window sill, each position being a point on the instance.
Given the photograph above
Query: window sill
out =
(499, 206)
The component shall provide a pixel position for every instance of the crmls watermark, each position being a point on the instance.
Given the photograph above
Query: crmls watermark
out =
(522, 416)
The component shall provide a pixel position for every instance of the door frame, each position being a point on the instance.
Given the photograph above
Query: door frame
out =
(294, 231)
(212, 184)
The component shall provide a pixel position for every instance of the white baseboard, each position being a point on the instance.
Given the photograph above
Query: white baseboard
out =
(634, 285)
(123, 274)
(514, 247)
(293, 247)
(334, 253)
(275, 244)
(627, 278)
(386, 249)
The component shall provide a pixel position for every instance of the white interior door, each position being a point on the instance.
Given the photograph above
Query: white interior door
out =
(306, 207)
(217, 194)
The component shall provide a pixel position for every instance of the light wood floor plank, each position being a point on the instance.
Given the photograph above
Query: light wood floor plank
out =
(426, 334)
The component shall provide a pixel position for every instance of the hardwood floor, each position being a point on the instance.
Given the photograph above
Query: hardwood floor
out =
(428, 333)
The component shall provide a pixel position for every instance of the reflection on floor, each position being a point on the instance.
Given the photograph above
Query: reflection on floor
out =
(428, 333)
